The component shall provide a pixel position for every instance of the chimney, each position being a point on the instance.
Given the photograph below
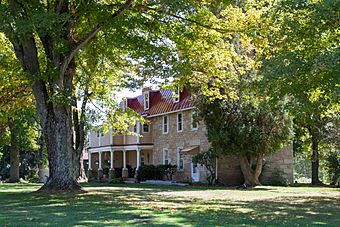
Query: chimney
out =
(145, 89)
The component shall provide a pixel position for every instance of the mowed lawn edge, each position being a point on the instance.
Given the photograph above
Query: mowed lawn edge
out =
(159, 205)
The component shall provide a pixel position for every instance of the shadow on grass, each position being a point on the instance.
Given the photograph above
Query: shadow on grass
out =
(141, 205)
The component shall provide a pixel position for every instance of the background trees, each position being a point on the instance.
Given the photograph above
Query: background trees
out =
(302, 62)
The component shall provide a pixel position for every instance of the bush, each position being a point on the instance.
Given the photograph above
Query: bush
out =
(333, 168)
(118, 180)
(277, 179)
(168, 170)
(150, 172)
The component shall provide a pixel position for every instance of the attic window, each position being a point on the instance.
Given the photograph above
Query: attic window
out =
(177, 96)
(146, 101)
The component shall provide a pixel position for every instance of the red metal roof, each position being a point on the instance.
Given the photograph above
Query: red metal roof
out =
(161, 101)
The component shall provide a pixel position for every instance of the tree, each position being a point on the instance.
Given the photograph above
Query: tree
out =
(16, 107)
(207, 159)
(245, 128)
(48, 37)
(302, 63)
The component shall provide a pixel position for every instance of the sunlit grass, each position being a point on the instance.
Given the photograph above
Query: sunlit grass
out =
(135, 205)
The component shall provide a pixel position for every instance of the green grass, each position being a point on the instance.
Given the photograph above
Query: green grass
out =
(138, 205)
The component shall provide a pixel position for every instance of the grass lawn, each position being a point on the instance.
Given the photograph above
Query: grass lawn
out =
(137, 205)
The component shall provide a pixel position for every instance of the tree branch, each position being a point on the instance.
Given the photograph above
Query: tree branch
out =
(90, 35)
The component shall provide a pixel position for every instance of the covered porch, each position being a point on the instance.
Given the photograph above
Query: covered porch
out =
(118, 161)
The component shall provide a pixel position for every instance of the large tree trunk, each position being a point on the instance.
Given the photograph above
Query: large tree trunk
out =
(59, 141)
(315, 160)
(14, 155)
(251, 177)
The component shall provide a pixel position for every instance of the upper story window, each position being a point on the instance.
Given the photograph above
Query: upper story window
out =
(100, 134)
(179, 122)
(146, 128)
(135, 128)
(165, 124)
(180, 156)
(166, 156)
(146, 100)
(194, 123)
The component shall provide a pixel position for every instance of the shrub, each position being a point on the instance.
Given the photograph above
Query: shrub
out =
(150, 172)
(118, 180)
(277, 179)
(168, 170)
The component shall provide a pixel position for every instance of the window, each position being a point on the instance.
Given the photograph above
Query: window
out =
(194, 123)
(165, 124)
(146, 101)
(98, 134)
(165, 156)
(125, 104)
(177, 96)
(135, 127)
(180, 156)
(179, 122)
(145, 128)
(142, 158)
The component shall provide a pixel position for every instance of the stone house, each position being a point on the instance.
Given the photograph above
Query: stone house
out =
(171, 137)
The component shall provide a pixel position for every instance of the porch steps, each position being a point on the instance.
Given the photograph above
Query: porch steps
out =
(130, 180)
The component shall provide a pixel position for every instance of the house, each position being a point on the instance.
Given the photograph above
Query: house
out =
(171, 137)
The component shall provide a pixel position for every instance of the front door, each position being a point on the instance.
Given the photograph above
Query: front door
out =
(195, 172)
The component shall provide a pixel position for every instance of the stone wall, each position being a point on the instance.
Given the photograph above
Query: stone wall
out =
(174, 140)
(281, 162)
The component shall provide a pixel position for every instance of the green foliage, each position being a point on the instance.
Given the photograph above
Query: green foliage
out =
(150, 172)
(244, 127)
(168, 170)
(277, 178)
(333, 168)
(207, 159)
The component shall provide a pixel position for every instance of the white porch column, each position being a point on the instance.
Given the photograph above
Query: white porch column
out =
(100, 167)
(216, 169)
(138, 132)
(90, 161)
(111, 159)
(124, 159)
(138, 158)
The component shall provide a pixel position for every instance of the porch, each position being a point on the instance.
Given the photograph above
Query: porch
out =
(118, 161)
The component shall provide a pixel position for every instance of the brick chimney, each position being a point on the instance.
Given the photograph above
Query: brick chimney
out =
(145, 89)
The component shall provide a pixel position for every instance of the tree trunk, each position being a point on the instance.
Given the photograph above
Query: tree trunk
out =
(315, 160)
(59, 142)
(14, 155)
(251, 177)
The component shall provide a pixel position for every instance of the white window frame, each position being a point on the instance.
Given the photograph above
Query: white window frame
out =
(192, 121)
(180, 150)
(167, 124)
(146, 100)
(181, 122)
(166, 150)
(143, 128)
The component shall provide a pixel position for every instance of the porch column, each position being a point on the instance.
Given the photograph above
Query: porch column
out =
(90, 161)
(216, 169)
(100, 167)
(111, 159)
(112, 170)
(125, 173)
(138, 158)
(89, 170)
